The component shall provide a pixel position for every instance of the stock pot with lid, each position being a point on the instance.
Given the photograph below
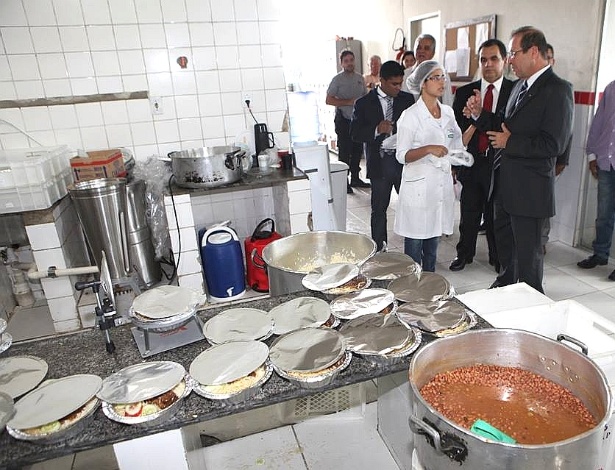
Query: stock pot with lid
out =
(209, 167)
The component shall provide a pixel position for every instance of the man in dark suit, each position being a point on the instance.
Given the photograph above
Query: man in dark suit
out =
(536, 128)
(493, 90)
(373, 120)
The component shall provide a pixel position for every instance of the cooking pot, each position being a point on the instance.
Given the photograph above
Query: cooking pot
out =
(441, 444)
(208, 167)
(290, 258)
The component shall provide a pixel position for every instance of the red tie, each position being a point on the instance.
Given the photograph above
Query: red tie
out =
(483, 140)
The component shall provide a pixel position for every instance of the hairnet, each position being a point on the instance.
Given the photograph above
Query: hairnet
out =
(421, 72)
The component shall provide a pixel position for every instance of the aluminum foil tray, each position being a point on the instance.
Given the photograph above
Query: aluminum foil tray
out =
(20, 374)
(433, 317)
(149, 420)
(68, 432)
(238, 324)
(330, 276)
(363, 283)
(427, 287)
(363, 302)
(307, 350)
(468, 324)
(318, 381)
(238, 397)
(162, 325)
(390, 265)
(399, 355)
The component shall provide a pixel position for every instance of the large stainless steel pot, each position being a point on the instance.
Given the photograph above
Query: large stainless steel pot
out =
(290, 258)
(442, 445)
(208, 167)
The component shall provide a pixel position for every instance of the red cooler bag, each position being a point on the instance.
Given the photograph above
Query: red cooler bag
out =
(254, 245)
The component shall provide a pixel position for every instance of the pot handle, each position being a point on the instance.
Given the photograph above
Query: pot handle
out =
(261, 225)
(582, 346)
(261, 262)
(447, 445)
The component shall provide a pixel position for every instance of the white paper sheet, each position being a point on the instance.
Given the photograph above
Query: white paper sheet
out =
(463, 62)
(463, 38)
(450, 61)
(482, 34)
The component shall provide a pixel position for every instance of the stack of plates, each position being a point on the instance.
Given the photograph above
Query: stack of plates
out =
(238, 324)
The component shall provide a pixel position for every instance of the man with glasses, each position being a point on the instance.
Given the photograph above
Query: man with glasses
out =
(374, 119)
(492, 91)
(535, 128)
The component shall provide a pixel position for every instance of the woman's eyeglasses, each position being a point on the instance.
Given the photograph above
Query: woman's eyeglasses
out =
(437, 78)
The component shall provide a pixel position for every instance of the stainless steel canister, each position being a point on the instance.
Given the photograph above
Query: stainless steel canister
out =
(101, 207)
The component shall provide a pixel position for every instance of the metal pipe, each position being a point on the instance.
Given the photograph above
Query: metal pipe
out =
(53, 272)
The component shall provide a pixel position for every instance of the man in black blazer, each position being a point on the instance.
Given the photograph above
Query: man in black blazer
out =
(371, 124)
(493, 90)
(536, 128)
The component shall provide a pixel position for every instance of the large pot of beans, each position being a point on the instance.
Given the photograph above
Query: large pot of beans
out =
(550, 398)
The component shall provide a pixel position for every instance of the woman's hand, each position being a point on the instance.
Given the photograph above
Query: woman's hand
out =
(438, 150)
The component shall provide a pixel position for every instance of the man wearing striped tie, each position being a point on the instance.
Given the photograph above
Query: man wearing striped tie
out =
(373, 120)
(535, 129)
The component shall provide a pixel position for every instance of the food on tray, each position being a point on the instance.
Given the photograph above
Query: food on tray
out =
(63, 423)
(238, 385)
(152, 405)
(315, 373)
(522, 404)
(355, 284)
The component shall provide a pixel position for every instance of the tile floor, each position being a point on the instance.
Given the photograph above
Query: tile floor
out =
(314, 444)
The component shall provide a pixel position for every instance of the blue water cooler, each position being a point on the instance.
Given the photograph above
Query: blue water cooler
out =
(223, 264)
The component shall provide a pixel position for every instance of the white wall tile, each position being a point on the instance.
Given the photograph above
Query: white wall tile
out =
(274, 77)
(188, 236)
(201, 34)
(67, 326)
(51, 257)
(160, 83)
(59, 87)
(43, 236)
(29, 89)
(271, 32)
(173, 11)
(12, 115)
(269, 10)
(184, 83)
(139, 110)
(192, 281)
(119, 135)
(106, 63)
(24, 67)
(222, 10)
(271, 55)
(134, 82)
(212, 127)
(46, 39)
(166, 131)
(187, 106)
(68, 12)
(148, 11)
(143, 133)
(225, 34)
(96, 12)
(233, 125)
(17, 40)
(198, 10)
(143, 152)
(63, 117)
(276, 100)
(79, 64)
(252, 79)
(7, 92)
(131, 62)
(127, 36)
(184, 215)
(39, 12)
(250, 56)
(227, 57)
(54, 288)
(189, 263)
(204, 58)
(248, 33)
(114, 112)
(89, 114)
(190, 129)
(12, 13)
(5, 70)
(74, 38)
(122, 11)
(152, 36)
(210, 104)
(165, 149)
(94, 138)
(101, 38)
(36, 118)
(177, 34)
(110, 84)
(63, 309)
(83, 86)
(232, 103)
(175, 53)
(245, 10)
(156, 60)
(207, 81)
(230, 80)
(70, 137)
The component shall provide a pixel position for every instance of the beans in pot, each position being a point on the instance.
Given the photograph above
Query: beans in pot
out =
(522, 404)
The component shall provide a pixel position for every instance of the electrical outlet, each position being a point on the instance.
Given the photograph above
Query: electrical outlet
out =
(246, 97)
(156, 104)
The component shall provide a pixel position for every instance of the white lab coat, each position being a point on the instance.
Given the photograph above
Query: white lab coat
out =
(426, 198)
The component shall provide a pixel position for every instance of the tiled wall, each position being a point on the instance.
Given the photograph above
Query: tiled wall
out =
(51, 48)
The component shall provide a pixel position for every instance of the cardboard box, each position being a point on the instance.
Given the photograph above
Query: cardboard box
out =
(98, 164)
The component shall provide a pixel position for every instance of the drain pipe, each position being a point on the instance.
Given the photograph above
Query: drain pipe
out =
(53, 272)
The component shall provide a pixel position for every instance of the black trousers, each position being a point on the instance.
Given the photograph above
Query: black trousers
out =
(519, 246)
(474, 203)
(381, 197)
(349, 151)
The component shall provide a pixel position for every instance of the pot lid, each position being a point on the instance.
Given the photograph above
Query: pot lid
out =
(428, 286)
(227, 362)
(166, 301)
(20, 374)
(238, 324)
(432, 316)
(330, 276)
(375, 334)
(307, 350)
(7, 409)
(362, 302)
(390, 265)
(53, 400)
(301, 312)
(141, 381)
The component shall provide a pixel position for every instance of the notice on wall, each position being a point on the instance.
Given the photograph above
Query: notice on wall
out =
(463, 62)
(482, 34)
(463, 38)
(450, 61)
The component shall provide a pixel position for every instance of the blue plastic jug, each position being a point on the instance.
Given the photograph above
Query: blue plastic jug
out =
(223, 264)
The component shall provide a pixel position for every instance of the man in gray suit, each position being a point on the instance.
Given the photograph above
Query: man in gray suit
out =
(535, 129)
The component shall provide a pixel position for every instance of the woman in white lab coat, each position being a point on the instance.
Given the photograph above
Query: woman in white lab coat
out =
(427, 137)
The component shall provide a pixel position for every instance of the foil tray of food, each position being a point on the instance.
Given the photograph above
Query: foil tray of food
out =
(302, 312)
(390, 265)
(375, 334)
(238, 324)
(439, 318)
(20, 374)
(364, 302)
(426, 287)
(397, 355)
(56, 410)
(318, 378)
(238, 391)
(355, 284)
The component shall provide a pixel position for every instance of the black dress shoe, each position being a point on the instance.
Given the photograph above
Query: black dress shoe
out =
(358, 183)
(612, 276)
(592, 262)
(349, 190)
(459, 263)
